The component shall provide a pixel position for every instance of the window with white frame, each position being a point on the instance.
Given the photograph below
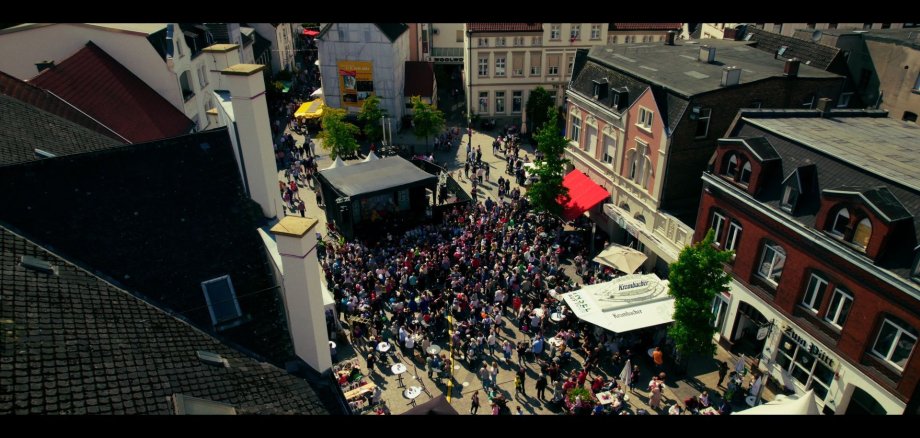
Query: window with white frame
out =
(499, 41)
(554, 31)
(895, 342)
(844, 100)
(483, 102)
(536, 41)
(719, 311)
(575, 33)
(862, 233)
(645, 118)
(595, 31)
(483, 66)
(576, 130)
(552, 62)
(717, 224)
(518, 41)
(610, 149)
(500, 65)
(803, 366)
(745, 177)
(733, 236)
(839, 308)
(516, 100)
(814, 292)
(702, 124)
(809, 101)
(499, 102)
(841, 221)
(613, 39)
(732, 168)
(772, 262)
(571, 65)
(483, 42)
(790, 197)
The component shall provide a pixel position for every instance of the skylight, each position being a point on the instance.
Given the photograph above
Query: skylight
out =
(222, 303)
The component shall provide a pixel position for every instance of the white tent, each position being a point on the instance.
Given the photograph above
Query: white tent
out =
(627, 303)
(336, 164)
(371, 156)
(316, 93)
(783, 405)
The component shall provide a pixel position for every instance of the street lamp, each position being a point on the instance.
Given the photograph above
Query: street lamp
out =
(469, 83)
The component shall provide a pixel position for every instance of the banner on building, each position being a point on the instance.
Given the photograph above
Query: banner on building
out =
(356, 80)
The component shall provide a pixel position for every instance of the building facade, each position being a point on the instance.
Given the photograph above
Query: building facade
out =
(825, 278)
(643, 121)
(281, 35)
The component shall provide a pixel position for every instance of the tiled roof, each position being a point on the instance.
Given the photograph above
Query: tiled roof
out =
(24, 128)
(98, 85)
(157, 218)
(505, 27)
(644, 26)
(809, 52)
(74, 344)
(592, 71)
(419, 79)
(43, 100)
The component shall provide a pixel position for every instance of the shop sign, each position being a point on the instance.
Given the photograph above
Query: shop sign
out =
(809, 346)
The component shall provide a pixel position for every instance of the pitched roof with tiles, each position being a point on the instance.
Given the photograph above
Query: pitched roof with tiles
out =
(98, 85)
(46, 101)
(419, 79)
(19, 123)
(505, 27)
(75, 344)
(135, 212)
(809, 52)
(644, 26)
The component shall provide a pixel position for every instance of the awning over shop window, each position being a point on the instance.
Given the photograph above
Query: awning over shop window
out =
(584, 194)
(310, 33)
(286, 86)
(627, 303)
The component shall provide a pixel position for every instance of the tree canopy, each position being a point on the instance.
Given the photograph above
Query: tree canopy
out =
(545, 193)
(695, 279)
(370, 116)
(338, 136)
(538, 105)
(427, 119)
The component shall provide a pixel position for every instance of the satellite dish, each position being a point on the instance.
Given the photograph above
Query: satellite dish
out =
(816, 35)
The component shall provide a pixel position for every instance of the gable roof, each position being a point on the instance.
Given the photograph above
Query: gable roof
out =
(47, 101)
(25, 128)
(98, 85)
(135, 212)
(759, 146)
(94, 348)
(644, 26)
(374, 176)
(809, 52)
(419, 79)
(504, 27)
(879, 199)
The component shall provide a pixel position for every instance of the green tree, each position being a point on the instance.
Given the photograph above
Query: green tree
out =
(538, 106)
(427, 119)
(695, 279)
(338, 136)
(546, 193)
(370, 115)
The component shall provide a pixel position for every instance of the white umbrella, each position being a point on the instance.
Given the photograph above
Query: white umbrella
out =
(621, 257)
(739, 366)
(782, 405)
(626, 374)
(371, 156)
(337, 163)
(755, 388)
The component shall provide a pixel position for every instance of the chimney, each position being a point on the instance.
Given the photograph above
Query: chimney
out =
(824, 106)
(44, 65)
(303, 294)
(730, 76)
(707, 54)
(672, 34)
(250, 112)
(219, 57)
(791, 68)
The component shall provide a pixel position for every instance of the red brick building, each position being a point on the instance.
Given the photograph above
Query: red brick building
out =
(822, 209)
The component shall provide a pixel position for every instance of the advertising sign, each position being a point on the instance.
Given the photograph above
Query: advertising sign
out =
(356, 80)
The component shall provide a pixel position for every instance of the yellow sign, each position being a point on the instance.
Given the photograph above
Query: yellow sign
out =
(356, 80)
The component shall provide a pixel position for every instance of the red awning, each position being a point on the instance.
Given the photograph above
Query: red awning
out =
(584, 194)
(310, 33)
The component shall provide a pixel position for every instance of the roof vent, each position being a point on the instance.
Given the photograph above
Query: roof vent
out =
(36, 264)
(213, 359)
(707, 54)
(731, 76)
(791, 69)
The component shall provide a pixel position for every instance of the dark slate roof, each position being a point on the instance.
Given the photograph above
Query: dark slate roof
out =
(834, 171)
(75, 344)
(220, 33)
(375, 176)
(759, 146)
(809, 52)
(678, 69)
(198, 36)
(505, 27)
(594, 71)
(392, 30)
(98, 85)
(419, 79)
(157, 218)
(644, 26)
(260, 46)
(20, 123)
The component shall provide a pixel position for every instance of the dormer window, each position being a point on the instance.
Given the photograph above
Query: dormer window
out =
(745, 173)
(862, 234)
(790, 197)
(732, 168)
(839, 227)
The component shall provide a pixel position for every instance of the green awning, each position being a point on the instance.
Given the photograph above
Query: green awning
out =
(287, 86)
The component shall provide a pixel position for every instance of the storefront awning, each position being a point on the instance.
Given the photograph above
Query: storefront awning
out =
(627, 303)
(310, 110)
(310, 32)
(584, 194)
